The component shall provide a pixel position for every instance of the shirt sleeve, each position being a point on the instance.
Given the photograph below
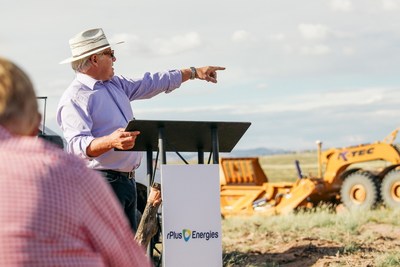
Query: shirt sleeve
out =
(76, 125)
(106, 225)
(151, 84)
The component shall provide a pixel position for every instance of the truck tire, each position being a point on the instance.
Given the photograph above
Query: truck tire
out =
(390, 189)
(360, 190)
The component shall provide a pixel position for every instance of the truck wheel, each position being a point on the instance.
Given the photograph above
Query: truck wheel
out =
(390, 189)
(360, 190)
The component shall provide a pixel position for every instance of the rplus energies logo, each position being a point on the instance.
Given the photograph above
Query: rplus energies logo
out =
(188, 234)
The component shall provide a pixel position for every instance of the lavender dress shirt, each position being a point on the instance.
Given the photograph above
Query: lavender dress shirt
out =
(90, 108)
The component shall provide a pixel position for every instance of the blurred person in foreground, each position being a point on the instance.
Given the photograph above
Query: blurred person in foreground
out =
(49, 212)
(95, 109)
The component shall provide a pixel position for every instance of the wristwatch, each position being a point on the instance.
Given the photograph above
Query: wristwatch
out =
(193, 74)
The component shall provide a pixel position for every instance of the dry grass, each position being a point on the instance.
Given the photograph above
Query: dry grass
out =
(282, 168)
(319, 237)
(314, 238)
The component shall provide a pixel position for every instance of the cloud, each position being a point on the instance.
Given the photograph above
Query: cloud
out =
(132, 43)
(344, 117)
(176, 44)
(341, 5)
(277, 36)
(342, 100)
(316, 50)
(186, 110)
(390, 4)
(348, 51)
(240, 36)
(124, 37)
(313, 31)
(262, 86)
(159, 46)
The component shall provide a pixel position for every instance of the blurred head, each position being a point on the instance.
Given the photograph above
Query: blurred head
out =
(18, 105)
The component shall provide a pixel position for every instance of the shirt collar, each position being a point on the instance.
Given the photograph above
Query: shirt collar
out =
(86, 80)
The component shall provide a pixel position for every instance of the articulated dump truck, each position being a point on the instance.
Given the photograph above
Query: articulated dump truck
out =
(245, 189)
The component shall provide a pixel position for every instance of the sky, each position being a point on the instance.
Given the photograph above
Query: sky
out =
(298, 70)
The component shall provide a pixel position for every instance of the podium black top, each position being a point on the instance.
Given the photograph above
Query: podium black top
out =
(187, 136)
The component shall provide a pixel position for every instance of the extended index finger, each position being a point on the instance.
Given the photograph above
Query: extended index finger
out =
(218, 68)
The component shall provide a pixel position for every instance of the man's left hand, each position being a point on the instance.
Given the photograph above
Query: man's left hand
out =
(208, 73)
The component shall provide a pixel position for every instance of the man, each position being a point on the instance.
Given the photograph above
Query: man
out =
(49, 215)
(95, 109)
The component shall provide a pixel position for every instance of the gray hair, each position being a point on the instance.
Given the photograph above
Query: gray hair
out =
(81, 65)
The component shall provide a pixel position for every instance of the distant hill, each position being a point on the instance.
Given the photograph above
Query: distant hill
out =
(262, 151)
(253, 152)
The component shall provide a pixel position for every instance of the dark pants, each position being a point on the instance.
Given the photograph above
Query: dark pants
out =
(125, 190)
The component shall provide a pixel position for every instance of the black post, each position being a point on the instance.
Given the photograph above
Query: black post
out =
(149, 163)
(200, 156)
(161, 145)
(215, 144)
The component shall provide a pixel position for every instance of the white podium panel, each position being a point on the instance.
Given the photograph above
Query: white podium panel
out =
(191, 218)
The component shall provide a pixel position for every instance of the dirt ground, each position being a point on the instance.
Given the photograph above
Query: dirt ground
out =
(315, 251)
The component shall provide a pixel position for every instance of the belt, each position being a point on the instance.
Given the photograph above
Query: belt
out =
(129, 175)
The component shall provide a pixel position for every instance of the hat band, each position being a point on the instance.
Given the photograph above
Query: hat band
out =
(83, 46)
(88, 51)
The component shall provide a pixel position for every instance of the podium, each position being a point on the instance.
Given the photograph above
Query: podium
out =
(185, 136)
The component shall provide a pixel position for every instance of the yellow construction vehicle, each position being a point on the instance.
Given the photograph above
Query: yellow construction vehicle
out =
(245, 188)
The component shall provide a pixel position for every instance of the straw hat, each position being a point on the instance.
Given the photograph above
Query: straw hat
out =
(87, 43)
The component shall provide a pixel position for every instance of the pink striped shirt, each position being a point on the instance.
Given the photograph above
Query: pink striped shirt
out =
(54, 211)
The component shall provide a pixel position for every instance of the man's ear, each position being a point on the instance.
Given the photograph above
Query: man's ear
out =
(94, 59)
